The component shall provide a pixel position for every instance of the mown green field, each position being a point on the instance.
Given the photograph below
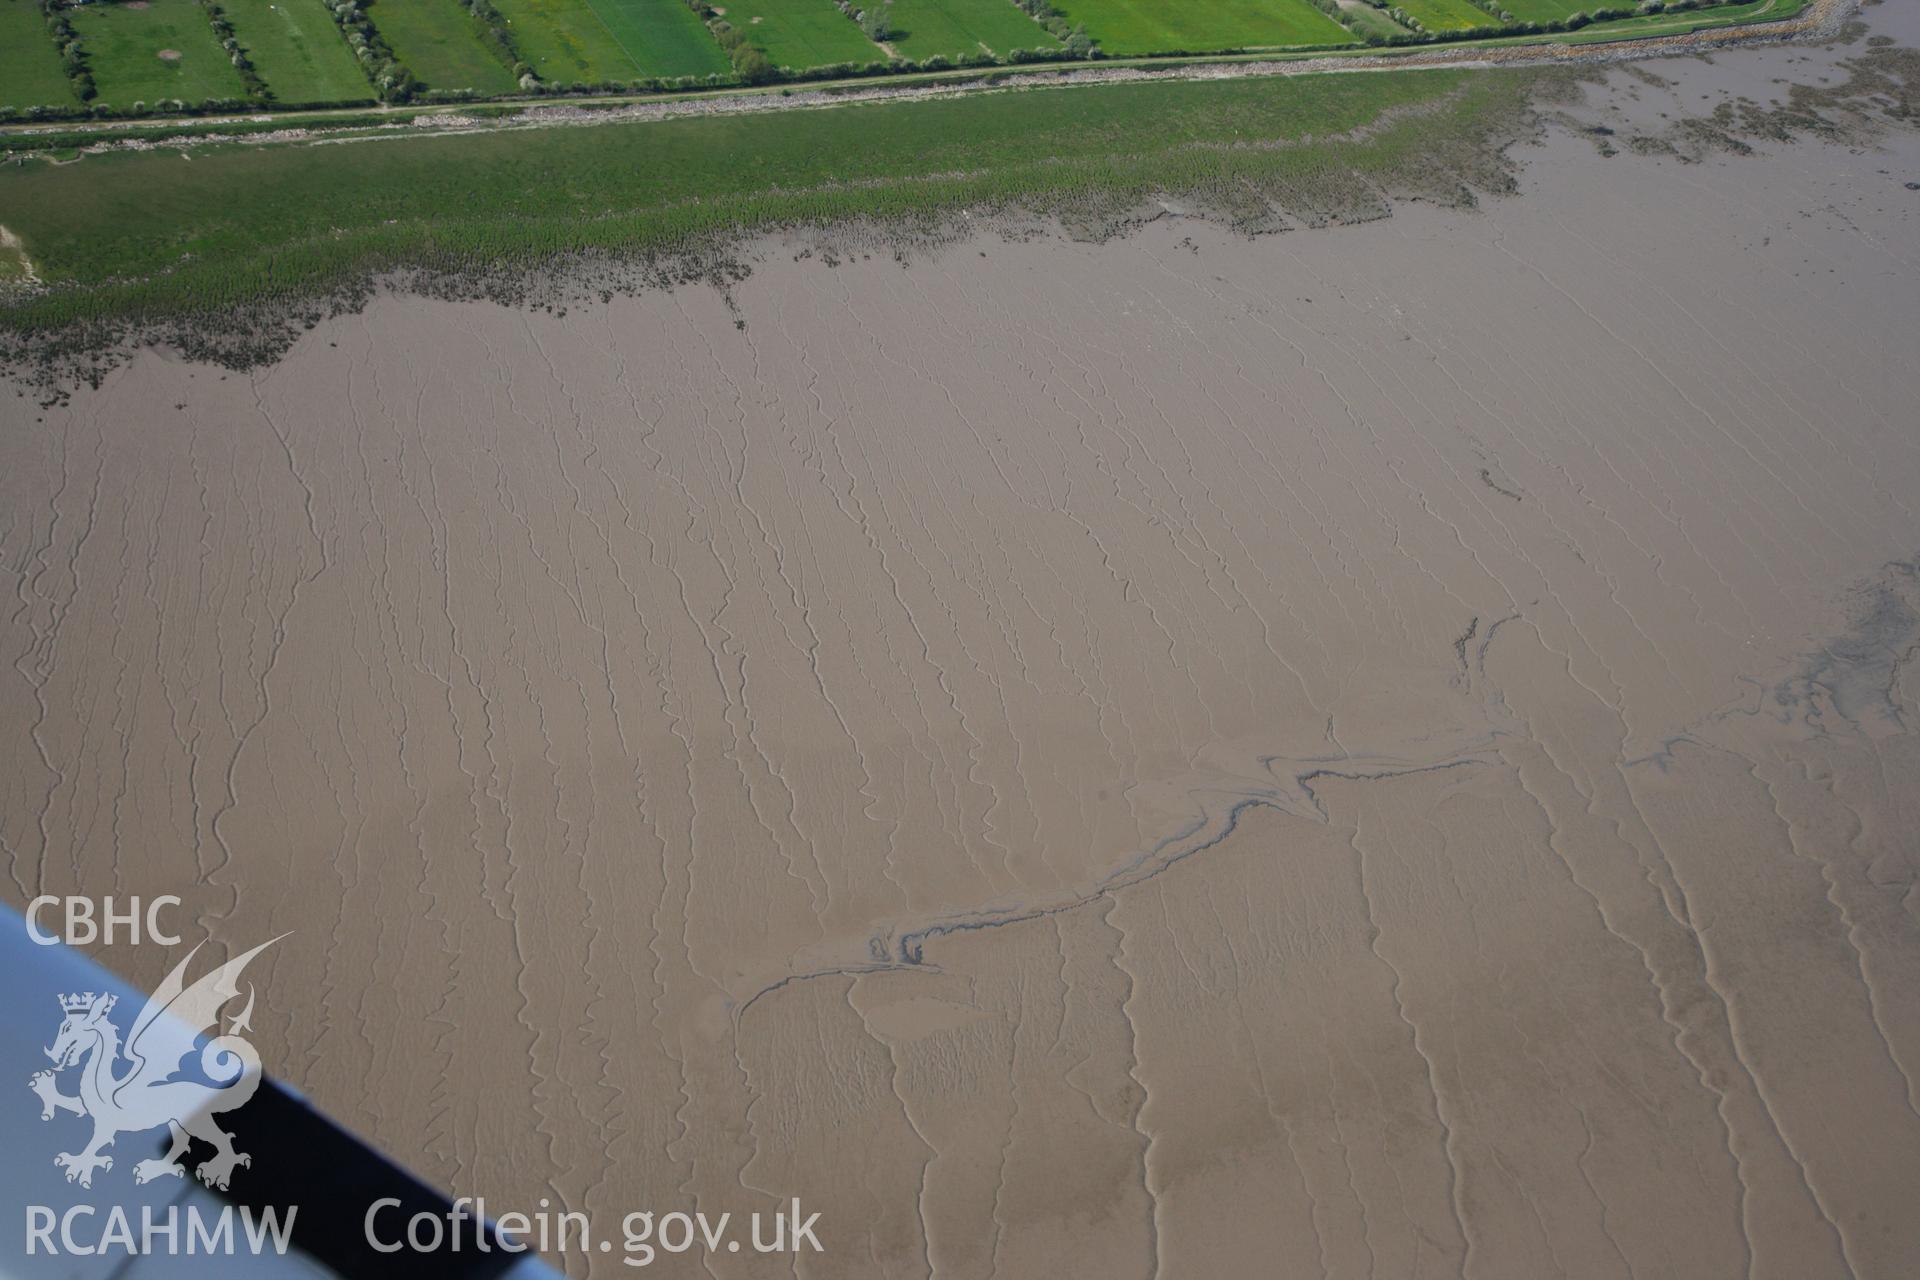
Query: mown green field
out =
(665, 36)
(125, 48)
(438, 42)
(597, 40)
(1547, 10)
(141, 234)
(801, 33)
(923, 28)
(30, 71)
(297, 50)
(565, 40)
(1129, 28)
(1447, 15)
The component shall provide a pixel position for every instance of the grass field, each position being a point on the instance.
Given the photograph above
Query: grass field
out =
(922, 28)
(801, 33)
(1448, 15)
(1127, 28)
(595, 40)
(664, 35)
(127, 48)
(30, 72)
(1549, 10)
(438, 42)
(297, 50)
(566, 40)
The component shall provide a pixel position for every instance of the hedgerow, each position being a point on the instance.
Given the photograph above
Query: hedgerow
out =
(497, 36)
(73, 55)
(230, 43)
(384, 71)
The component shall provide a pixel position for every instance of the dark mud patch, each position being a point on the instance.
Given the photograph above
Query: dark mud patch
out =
(1874, 91)
(1855, 676)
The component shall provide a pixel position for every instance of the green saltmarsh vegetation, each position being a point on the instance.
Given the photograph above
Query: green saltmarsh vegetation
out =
(128, 242)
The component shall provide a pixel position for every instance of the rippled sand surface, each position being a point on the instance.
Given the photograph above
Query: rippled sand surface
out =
(1386, 751)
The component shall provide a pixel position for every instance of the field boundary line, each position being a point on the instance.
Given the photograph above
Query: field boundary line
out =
(1819, 16)
(594, 8)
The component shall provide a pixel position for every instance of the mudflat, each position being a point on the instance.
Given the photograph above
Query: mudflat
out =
(1384, 750)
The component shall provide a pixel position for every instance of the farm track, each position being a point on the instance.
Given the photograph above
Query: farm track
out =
(1821, 18)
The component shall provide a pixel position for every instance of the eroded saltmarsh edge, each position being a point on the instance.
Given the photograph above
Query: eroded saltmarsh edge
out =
(248, 247)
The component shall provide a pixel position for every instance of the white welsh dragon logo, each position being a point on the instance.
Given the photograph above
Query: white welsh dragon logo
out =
(147, 1095)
